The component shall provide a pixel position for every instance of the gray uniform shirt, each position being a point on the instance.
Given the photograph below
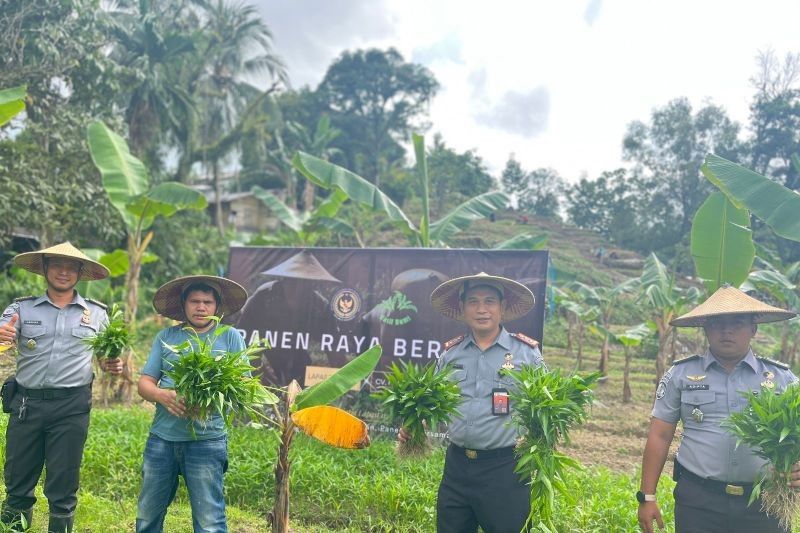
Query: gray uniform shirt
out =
(477, 373)
(52, 352)
(700, 385)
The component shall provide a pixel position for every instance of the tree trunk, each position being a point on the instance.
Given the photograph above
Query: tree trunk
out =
(570, 327)
(603, 366)
(580, 345)
(626, 384)
(218, 200)
(280, 512)
(309, 193)
(784, 357)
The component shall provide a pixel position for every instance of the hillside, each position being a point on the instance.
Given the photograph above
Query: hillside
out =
(573, 250)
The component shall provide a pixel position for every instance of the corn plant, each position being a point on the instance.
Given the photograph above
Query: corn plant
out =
(115, 338)
(770, 426)
(210, 381)
(545, 406)
(418, 396)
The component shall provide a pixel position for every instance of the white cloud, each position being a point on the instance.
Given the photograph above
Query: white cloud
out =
(523, 114)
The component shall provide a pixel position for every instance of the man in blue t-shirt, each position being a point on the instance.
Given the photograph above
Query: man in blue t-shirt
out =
(177, 445)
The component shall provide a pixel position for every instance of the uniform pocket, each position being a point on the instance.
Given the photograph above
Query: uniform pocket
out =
(30, 339)
(703, 400)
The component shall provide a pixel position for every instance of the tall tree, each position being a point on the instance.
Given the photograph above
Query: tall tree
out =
(667, 154)
(376, 99)
(540, 191)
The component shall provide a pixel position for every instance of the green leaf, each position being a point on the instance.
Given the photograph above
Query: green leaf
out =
(329, 176)
(12, 102)
(117, 262)
(524, 241)
(124, 176)
(721, 242)
(165, 199)
(424, 181)
(341, 381)
(283, 212)
(463, 215)
(771, 202)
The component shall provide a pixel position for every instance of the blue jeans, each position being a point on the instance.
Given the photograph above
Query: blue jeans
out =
(202, 463)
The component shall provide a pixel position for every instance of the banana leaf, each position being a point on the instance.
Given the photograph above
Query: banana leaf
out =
(771, 202)
(124, 176)
(329, 176)
(463, 215)
(721, 242)
(343, 380)
(422, 174)
(285, 214)
(165, 199)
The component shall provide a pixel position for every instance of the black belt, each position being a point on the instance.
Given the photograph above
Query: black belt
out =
(50, 394)
(483, 454)
(723, 487)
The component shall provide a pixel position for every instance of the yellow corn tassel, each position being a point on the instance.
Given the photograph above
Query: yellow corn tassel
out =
(332, 426)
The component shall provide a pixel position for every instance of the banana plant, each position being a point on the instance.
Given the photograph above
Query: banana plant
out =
(12, 102)
(426, 234)
(127, 184)
(783, 289)
(606, 300)
(630, 338)
(308, 410)
(663, 300)
(578, 313)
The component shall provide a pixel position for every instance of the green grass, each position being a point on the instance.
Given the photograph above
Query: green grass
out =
(332, 490)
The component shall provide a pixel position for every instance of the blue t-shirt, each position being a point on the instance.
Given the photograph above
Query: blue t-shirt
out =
(166, 425)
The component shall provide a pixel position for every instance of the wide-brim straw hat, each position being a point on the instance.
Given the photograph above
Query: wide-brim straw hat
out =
(302, 265)
(34, 261)
(167, 299)
(446, 298)
(728, 300)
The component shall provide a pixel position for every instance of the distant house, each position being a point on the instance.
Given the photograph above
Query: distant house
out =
(243, 211)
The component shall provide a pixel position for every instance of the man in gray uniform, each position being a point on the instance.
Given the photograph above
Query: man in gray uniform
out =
(52, 391)
(715, 477)
(479, 486)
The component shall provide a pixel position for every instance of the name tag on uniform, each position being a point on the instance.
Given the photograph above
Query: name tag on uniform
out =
(696, 386)
(500, 402)
(32, 322)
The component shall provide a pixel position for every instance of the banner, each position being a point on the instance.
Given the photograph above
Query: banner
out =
(320, 307)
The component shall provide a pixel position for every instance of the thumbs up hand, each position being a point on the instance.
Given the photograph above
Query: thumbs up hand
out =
(8, 333)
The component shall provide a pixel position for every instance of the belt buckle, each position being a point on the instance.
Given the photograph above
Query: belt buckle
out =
(734, 490)
(471, 454)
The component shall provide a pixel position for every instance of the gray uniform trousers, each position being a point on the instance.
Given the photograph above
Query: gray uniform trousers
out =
(52, 434)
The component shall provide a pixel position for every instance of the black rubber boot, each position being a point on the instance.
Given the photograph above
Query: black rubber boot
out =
(16, 520)
(60, 523)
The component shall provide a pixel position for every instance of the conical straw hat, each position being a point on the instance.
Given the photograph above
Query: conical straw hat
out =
(446, 298)
(33, 261)
(728, 300)
(302, 265)
(167, 299)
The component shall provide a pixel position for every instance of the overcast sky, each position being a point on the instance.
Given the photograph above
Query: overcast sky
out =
(554, 82)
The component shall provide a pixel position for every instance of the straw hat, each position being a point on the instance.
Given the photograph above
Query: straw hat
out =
(446, 298)
(33, 261)
(302, 265)
(167, 299)
(728, 300)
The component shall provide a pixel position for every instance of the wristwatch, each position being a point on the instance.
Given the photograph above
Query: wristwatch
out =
(641, 497)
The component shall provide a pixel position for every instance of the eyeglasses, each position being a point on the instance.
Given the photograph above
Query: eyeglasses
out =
(68, 266)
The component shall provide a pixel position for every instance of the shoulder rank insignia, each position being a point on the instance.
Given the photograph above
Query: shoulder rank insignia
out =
(527, 340)
(23, 298)
(686, 359)
(773, 362)
(452, 342)
(95, 302)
